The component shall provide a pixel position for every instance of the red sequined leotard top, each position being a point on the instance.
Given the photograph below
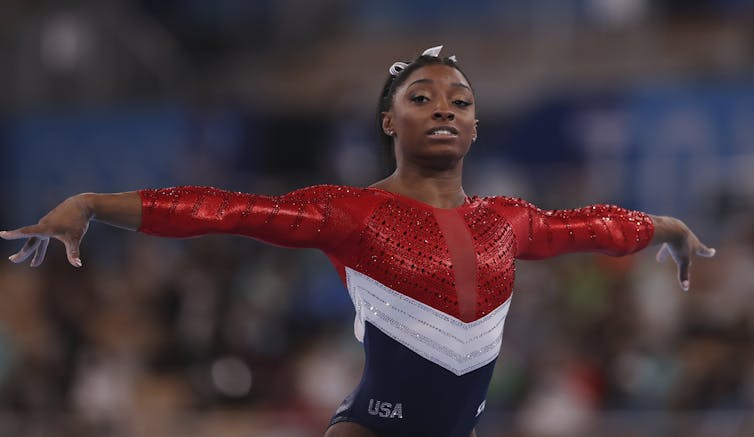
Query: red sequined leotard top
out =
(431, 287)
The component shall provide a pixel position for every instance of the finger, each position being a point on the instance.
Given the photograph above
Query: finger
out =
(26, 251)
(72, 251)
(39, 255)
(705, 251)
(683, 272)
(662, 254)
(25, 232)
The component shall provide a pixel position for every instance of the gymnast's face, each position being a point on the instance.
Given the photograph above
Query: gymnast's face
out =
(433, 118)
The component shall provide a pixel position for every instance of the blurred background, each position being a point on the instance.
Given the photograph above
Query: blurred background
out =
(647, 104)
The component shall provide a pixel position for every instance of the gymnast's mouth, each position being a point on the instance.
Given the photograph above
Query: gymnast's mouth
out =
(443, 132)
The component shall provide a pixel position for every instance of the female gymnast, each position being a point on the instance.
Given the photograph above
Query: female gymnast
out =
(429, 269)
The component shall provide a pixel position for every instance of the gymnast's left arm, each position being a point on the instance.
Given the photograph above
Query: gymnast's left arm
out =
(607, 229)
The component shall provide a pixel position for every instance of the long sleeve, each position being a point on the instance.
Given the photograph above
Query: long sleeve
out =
(606, 229)
(315, 217)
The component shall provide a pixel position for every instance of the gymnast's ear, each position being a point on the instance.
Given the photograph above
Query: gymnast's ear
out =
(387, 123)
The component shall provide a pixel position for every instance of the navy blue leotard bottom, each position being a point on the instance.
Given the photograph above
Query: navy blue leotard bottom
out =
(403, 394)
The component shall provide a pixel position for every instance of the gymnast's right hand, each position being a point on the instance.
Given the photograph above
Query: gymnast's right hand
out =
(67, 222)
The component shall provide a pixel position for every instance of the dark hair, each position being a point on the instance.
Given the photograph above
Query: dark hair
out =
(388, 92)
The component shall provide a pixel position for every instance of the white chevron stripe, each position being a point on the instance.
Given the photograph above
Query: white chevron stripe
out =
(443, 339)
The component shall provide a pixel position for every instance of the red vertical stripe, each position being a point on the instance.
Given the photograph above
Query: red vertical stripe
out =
(463, 257)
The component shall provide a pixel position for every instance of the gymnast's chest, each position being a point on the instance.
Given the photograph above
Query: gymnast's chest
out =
(439, 257)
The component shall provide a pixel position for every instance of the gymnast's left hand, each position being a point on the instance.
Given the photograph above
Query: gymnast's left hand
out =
(680, 244)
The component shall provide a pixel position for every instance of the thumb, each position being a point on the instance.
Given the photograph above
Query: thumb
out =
(25, 232)
(706, 252)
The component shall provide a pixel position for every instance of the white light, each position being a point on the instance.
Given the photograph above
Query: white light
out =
(66, 41)
(231, 377)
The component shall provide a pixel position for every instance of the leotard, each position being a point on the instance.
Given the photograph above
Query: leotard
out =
(431, 287)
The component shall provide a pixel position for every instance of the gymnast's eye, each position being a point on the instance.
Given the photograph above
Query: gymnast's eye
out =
(420, 98)
(462, 103)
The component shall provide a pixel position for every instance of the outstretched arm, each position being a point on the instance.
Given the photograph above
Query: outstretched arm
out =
(316, 217)
(69, 221)
(600, 228)
(606, 229)
(679, 243)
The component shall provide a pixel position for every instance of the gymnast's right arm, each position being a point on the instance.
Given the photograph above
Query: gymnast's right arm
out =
(318, 217)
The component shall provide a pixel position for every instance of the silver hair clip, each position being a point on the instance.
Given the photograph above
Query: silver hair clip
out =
(434, 52)
(397, 67)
